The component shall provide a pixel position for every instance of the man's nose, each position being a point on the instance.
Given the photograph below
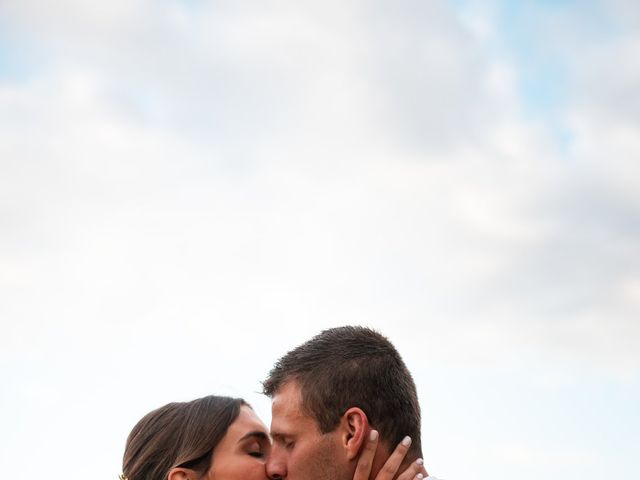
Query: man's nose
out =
(276, 466)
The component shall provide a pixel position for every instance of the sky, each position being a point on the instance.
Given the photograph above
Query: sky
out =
(189, 189)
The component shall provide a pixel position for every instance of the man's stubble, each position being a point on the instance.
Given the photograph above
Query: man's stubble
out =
(325, 465)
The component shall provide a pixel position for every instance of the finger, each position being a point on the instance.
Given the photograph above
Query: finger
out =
(391, 466)
(415, 471)
(363, 468)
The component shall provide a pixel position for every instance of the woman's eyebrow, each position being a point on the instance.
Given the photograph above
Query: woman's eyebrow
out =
(259, 434)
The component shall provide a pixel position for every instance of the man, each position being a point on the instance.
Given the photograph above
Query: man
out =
(328, 394)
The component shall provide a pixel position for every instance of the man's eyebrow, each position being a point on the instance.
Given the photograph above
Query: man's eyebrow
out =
(278, 435)
(259, 434)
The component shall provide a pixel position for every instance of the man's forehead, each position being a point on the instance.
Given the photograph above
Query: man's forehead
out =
(287, 401)
(287, 414)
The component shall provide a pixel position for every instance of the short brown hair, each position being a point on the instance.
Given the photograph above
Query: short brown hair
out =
(180, 434)
(353, 367)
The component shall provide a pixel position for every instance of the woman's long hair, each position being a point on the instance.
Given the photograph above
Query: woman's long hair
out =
(182, 434)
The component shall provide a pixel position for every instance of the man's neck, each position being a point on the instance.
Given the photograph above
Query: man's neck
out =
(382, 455)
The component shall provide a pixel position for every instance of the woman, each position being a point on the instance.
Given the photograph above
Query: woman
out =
(220, 438)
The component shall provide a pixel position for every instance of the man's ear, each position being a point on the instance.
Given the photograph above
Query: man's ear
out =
(355, 429)
(179, 473)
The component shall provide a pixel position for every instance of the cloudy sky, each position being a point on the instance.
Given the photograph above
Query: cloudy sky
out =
(188, 189)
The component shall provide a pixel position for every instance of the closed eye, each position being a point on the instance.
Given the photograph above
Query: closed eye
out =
(256, 444)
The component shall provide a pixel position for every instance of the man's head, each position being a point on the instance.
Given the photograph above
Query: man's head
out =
(328, 393)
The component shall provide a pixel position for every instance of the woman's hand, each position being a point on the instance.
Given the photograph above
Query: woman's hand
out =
(415, 471)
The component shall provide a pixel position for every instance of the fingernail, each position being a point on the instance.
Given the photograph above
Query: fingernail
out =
(406, 441)
(419, 462)
(373, 435)
(419, 476)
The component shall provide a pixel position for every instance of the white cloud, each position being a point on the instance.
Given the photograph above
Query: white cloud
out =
(312, 175)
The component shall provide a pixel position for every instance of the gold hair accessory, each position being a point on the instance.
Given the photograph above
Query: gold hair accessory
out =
(122, 477)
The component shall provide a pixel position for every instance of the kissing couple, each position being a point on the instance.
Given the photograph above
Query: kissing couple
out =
(344, 407)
